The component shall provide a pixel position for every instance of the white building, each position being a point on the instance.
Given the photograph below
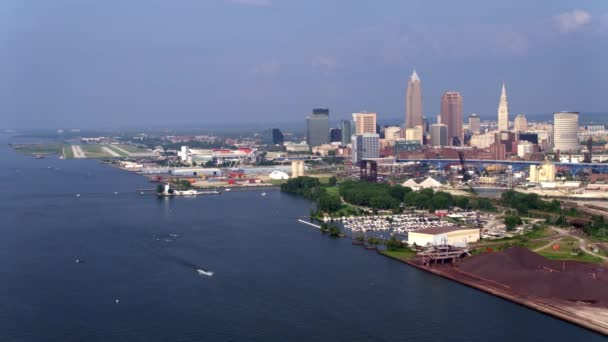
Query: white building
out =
(523, 148)
(453, 236)
(414, 134)
(483, 140)
(565, 132)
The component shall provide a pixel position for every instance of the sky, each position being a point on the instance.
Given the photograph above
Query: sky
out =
(117, 63)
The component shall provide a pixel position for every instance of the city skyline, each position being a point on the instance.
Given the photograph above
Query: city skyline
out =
(69, 68)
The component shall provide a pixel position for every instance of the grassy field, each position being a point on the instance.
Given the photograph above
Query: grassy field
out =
(132, 149)
(404, 254)
(121, 153)
(568, 250)
(67, 152)
(333, 190)
(33, 149)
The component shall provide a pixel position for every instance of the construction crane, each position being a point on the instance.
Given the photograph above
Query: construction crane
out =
(465, 175)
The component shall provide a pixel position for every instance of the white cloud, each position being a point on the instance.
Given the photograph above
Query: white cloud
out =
(258, 3)
(325, 63)
(267, 68)
(572, 21)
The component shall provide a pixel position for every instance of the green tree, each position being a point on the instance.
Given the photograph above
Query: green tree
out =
(332, 181)
(512, 221)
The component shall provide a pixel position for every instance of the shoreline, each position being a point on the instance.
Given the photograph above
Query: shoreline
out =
(568, 314)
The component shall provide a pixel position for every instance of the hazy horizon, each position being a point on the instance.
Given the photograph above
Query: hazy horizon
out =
(81, 64)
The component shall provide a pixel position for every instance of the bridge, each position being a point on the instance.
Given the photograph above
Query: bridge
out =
(516, 165)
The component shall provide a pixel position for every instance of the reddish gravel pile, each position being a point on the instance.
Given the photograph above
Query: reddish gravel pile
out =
(530, 274)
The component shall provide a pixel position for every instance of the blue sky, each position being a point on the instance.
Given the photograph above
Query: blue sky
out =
(112, 63)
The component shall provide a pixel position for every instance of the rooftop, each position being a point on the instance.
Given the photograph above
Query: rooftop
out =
(441, 230)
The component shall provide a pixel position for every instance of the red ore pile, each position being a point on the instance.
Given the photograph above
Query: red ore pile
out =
(530, 274)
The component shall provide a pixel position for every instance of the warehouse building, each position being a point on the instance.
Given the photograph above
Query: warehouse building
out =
(453, 236)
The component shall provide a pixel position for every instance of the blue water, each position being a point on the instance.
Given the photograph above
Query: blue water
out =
(274, 279)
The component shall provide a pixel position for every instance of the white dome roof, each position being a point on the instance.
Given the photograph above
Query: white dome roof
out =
(278, 175)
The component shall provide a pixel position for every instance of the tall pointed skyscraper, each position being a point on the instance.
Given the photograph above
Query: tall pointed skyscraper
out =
(503, 111)
(413, 102)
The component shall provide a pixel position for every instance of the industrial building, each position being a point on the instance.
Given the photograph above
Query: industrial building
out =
(436, 236)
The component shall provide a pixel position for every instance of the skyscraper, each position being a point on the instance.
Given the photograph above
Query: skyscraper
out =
(317, 127)
(503, 110)
(364, 123)
(413, 102)
(451, 116)
(474, 123)
(520, 124)
(347, 132)
(565, 132)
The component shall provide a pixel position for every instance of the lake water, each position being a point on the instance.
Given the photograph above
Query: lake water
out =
(274, 279)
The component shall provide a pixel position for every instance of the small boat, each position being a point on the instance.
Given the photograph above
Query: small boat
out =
(203, 272)
(263, 194)
(227, 189)
(79, 261)
(77, 195)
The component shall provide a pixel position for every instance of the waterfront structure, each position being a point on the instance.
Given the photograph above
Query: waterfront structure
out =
(297, 168)
(365, 146)
(520, 124)
(503, 110)
(451, 115)
(565, 132)
(474, 124)
(413, 102)
(317, 127)
(439, 135)
(542, 173)
(347, 132)
(414, 134)
(272, 136)
(438, 236)
(335, 135)
(365, 123)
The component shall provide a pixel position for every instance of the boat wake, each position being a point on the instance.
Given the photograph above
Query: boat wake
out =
(203, 272)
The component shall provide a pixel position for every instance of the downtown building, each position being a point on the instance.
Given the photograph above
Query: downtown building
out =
(565, 132)
(474, 124)
(439, 135)
(451, 116)
(347, 131)
(503, 110)
(520, 124)
(365, 123)
(413, 102)
(317, 127)
(365, 146)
